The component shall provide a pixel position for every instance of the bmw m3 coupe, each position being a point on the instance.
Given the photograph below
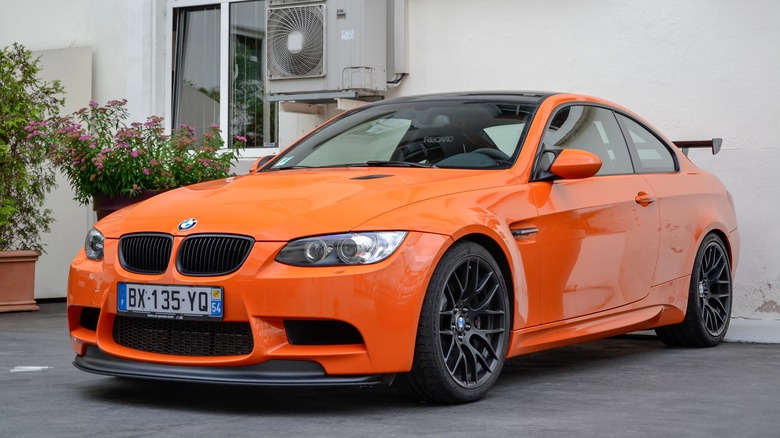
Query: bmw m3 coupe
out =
(417, 242)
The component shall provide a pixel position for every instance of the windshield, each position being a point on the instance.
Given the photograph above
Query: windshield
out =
(453, 134)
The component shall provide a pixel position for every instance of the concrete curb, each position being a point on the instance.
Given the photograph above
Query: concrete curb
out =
(746, 331)
(754, 331)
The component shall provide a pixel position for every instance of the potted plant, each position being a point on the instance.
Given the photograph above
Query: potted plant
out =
(112, 163)
(26, 175)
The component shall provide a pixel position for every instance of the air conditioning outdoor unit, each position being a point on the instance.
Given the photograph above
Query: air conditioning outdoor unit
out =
(324, 50)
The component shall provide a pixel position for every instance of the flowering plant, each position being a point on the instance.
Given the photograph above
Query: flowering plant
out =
(102, 155)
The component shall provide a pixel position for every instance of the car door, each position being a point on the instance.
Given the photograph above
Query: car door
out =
(680, 198)
(599, 236)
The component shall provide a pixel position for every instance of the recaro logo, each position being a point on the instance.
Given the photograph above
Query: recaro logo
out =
(442, 139)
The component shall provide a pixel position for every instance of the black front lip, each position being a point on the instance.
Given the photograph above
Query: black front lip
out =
(271, 373)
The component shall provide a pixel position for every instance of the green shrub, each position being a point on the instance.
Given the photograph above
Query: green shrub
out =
(26, 175)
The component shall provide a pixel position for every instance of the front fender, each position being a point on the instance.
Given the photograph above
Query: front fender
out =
(488, 217)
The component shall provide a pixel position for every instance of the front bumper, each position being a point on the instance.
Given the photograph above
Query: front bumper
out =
(270, 373)
(382, 302)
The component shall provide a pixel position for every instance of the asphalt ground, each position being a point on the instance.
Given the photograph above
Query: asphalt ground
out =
(621, 387)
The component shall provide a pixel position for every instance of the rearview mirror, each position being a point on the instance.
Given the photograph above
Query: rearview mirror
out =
(260, 163)
(575, 164)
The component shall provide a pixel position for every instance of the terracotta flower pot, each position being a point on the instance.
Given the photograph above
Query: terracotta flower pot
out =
(17, 287)
(104, 205)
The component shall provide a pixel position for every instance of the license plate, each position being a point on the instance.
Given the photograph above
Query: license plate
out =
(169, 301)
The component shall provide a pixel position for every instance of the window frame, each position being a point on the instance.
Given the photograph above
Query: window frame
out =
(224, 71)
(541, 174)
(638, 167)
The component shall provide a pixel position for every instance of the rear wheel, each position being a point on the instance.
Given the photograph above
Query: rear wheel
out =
(709, 301)
(463, 330)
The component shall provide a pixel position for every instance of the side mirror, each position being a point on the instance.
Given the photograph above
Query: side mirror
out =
(260, 163)
(575, 164)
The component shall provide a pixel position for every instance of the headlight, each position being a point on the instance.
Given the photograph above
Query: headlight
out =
(93, 245)
(341, 249)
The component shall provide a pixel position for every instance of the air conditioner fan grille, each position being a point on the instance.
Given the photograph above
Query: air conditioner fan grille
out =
(296, 42)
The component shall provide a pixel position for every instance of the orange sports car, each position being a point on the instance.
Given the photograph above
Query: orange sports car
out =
(417, 242)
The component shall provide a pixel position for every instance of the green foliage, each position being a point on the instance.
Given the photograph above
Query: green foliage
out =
(102, 155)
(26, 175)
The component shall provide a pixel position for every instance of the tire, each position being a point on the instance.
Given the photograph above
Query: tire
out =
(709, 300)
(463, 329)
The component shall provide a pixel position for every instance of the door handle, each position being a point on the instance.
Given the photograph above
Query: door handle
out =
(644, 199)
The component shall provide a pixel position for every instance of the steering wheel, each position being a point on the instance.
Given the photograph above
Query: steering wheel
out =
(418, 152)
(495, 154)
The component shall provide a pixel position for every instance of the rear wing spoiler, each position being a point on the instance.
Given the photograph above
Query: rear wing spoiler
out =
(713, 144)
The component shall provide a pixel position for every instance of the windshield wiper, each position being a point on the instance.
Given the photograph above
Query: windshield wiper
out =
(378, 163)
(371, 163)
(290, 167)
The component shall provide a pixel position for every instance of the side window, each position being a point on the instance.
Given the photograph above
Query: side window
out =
(506, 137)
(653, 155)
(591, 129)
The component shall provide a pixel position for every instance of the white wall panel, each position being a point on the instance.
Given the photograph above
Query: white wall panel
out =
(73, 68)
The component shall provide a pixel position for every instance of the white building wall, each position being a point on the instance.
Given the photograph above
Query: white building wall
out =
(696, 69)
(127, 38)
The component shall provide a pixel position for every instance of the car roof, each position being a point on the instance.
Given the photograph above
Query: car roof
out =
(532, 97)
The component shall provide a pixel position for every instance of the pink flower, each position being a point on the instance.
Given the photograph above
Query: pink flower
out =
(84, 138)
(146, 171)
(92, 103)
(135, 153)
(241, 138)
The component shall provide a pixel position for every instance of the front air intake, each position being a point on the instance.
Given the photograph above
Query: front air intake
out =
(146, 253)
(213, 254)
(314, 332)
(183, 338)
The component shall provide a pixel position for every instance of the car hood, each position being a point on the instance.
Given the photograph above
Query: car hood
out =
(284, 205)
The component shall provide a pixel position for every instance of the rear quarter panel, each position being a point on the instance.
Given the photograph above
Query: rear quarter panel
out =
(692, 204)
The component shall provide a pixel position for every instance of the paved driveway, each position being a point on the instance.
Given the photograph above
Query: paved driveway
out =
(622, 387)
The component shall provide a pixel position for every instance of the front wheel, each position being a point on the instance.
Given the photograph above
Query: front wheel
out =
(709, 301)
(463, 330)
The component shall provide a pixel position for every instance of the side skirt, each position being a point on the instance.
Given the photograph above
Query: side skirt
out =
(665, 304)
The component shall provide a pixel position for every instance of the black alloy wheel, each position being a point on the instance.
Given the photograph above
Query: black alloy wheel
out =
(709, 302)
(463, 330)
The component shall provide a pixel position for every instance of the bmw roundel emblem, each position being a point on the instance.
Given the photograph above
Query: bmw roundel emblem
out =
(187, 224)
